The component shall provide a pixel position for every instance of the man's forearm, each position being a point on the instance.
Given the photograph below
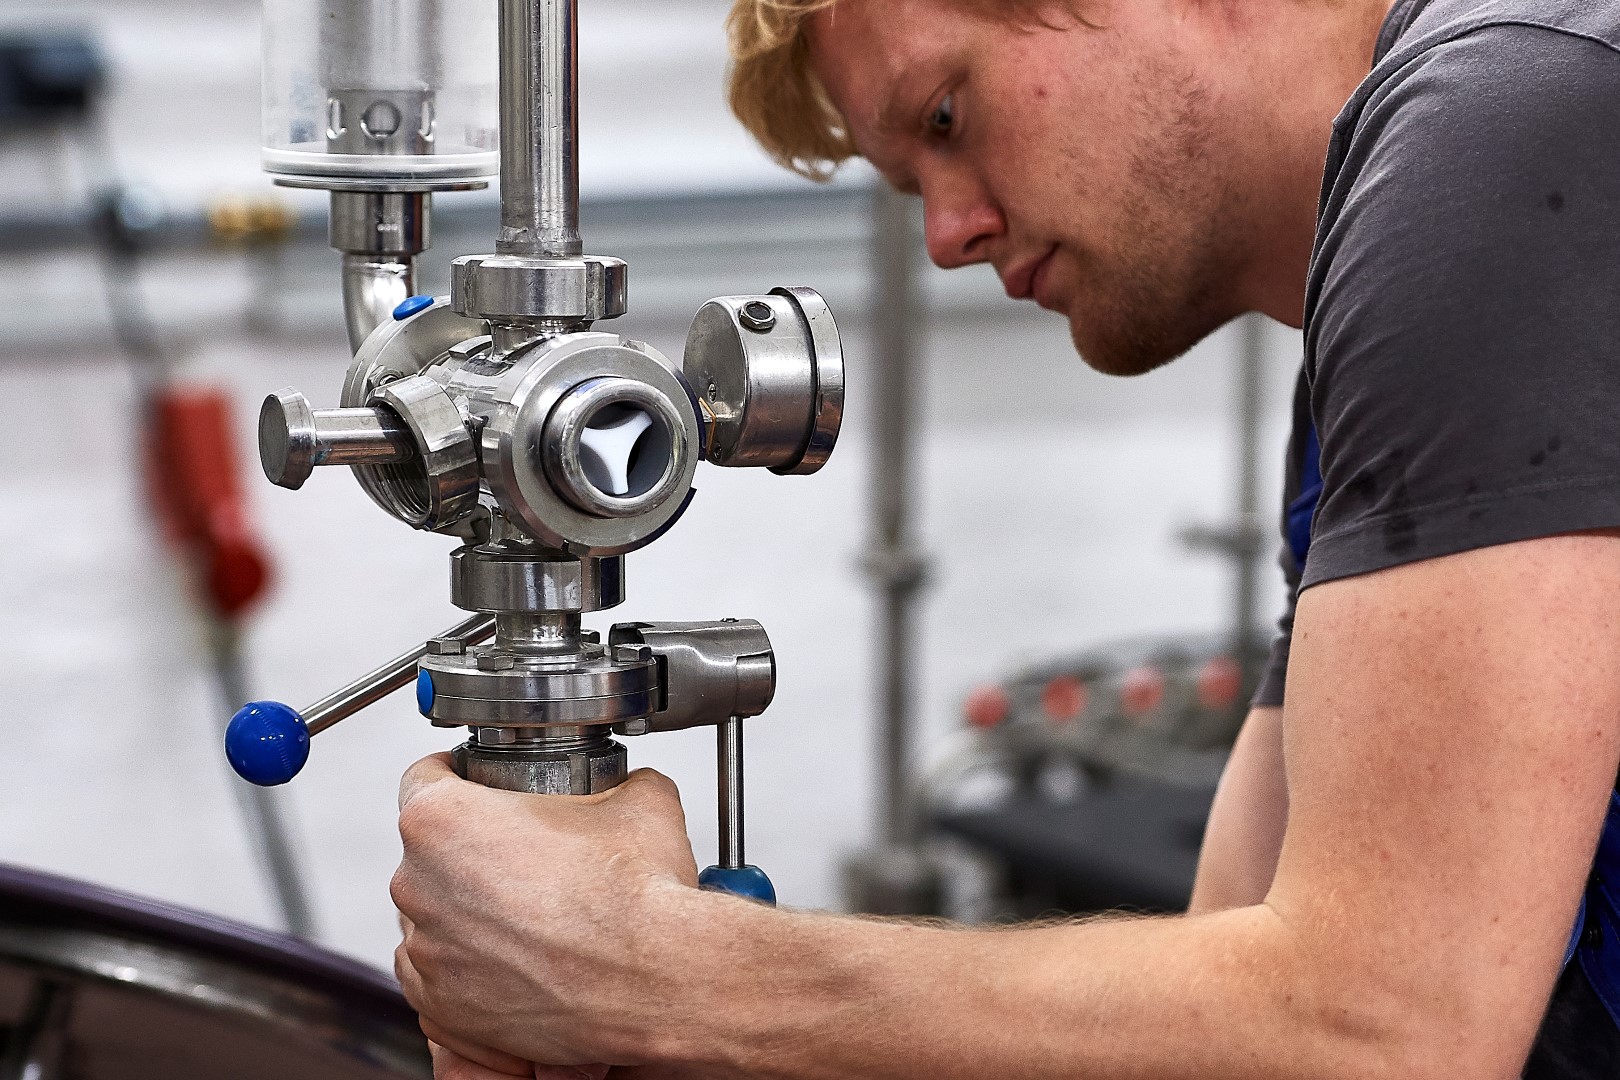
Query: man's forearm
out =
(807, 997)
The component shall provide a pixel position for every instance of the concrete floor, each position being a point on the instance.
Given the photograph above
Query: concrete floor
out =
(1050, 501)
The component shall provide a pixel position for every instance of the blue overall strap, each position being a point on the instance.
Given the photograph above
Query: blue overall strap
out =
(1302, 510)
(1597, 932)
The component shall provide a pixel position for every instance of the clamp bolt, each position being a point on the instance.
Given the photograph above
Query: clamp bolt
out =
(757, 315)
(488, 661)
(446, 646)
(634, 727)
(631, 654)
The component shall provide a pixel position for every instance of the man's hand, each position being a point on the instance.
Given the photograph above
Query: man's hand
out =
(528, 919)
(449, 1065)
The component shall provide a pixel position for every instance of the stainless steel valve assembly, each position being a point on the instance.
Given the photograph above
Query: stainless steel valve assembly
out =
(502, 416)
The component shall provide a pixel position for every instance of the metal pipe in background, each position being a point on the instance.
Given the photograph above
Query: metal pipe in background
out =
(539, 128)
(1245, 597)
(896, 566)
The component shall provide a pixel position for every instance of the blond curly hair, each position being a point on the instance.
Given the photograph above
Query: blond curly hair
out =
(778, 97)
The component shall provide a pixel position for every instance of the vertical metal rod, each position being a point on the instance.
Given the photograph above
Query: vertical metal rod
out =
(1250, 389)
(729, 767)
(895, 564)
(539, 128)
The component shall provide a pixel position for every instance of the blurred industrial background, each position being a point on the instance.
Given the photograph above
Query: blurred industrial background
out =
(1052, 505)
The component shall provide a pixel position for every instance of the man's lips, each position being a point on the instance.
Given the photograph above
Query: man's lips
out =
(1022, 278)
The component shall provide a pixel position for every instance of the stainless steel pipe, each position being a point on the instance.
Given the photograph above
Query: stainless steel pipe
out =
(380, 234)
(539, 128)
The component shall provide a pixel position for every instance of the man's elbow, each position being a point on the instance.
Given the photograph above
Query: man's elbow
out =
(1402, 1037)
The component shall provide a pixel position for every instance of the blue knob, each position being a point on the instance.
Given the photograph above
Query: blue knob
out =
(267, 743)
(410, 306)
(746, 881)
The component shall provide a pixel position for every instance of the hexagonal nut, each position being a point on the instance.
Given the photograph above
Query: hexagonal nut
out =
(631, 654)
(493, 661)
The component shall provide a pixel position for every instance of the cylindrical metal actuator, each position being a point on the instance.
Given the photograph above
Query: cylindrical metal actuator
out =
(380, 94)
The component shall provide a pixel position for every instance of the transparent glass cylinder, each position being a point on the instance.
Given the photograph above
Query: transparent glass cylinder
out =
(371, 93)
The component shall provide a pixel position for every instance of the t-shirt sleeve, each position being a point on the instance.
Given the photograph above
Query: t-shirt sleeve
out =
(1463, 331)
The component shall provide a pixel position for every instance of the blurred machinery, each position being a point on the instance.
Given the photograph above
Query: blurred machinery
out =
(498, 416)
(1087, 780)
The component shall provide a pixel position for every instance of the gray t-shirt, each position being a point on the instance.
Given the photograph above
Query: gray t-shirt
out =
(1461, 384)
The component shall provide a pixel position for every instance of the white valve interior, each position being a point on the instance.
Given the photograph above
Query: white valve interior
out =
(623, 451)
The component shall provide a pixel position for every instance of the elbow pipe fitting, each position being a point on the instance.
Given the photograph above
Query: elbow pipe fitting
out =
(380, 234)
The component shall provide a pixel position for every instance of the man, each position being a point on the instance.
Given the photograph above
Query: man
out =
(1399, 850)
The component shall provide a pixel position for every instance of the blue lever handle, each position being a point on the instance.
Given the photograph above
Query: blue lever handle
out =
(745, 881)
(267, 743)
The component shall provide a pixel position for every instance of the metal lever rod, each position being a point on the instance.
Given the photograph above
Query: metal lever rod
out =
(730, 769)
(394, 675)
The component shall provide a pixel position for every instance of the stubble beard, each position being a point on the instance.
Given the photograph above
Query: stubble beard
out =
(1166, 285)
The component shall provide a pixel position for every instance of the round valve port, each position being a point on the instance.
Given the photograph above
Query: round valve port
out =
(610, 447)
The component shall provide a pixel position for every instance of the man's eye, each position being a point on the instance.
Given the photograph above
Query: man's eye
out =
(943, 116)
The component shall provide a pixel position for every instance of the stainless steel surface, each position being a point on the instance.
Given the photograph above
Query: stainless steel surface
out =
(571, 291)
(557, 766)
(294, 438)
(144, 1007)
(496, 686)
(516, 407)
(710, 671)
(729, 769)
(610, 447)
(897, 568)
(397, 674)
(439, 485)
(508, 578)
(380, 234)
(373, 286)
(770, 372)
(380, 223)
(539, 127)
(370, 44)
(586, 448)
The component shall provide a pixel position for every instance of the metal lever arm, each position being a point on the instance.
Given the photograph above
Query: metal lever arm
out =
(267, 743)
(734, 875)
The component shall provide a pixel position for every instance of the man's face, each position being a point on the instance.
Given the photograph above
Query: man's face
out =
(1081, 162)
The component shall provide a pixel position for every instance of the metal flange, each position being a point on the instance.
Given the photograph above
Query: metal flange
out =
(585, 288)
(485, 687)
(515, 455)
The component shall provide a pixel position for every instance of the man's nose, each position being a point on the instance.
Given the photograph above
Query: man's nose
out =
(960, 224)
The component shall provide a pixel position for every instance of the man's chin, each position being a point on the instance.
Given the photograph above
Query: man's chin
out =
(1122, 353)
(1137, 344)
